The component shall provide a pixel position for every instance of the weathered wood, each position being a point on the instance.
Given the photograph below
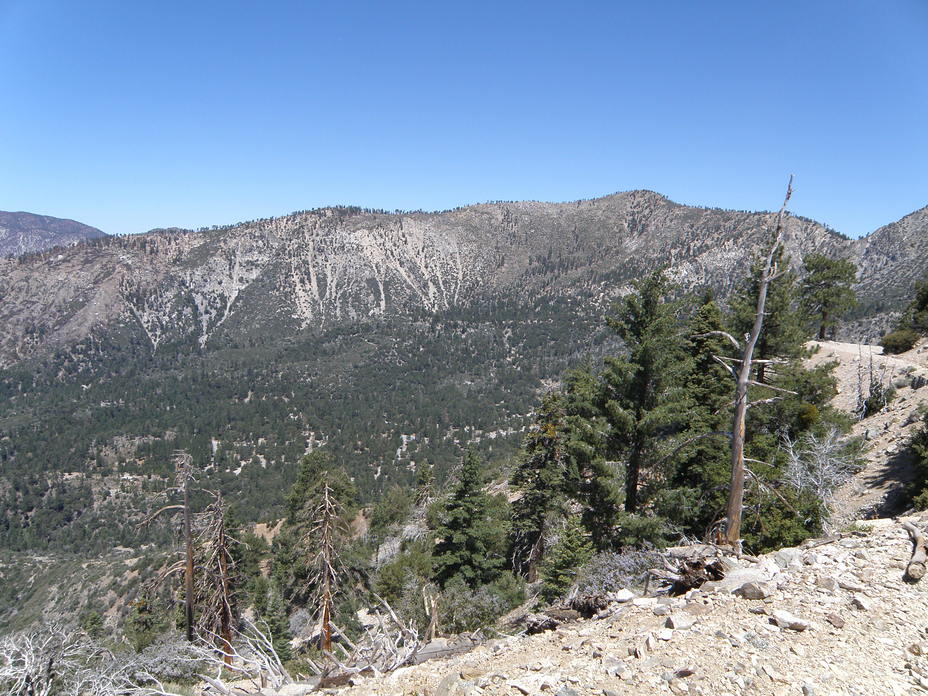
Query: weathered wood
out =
(915, 570)
(736, 490)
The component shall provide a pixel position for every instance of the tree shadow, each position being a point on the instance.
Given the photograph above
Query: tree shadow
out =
(897, 477)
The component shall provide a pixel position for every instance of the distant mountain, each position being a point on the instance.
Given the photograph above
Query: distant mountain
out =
(890, 261)
(391, 337)
(25, 233)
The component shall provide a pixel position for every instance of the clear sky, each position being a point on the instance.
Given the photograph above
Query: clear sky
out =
(129, 115)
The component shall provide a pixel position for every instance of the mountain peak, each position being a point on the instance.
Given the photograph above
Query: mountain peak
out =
(26, 233)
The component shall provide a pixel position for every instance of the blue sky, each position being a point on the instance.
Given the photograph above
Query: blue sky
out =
(131, 115)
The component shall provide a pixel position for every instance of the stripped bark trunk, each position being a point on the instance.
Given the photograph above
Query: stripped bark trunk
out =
(736, 490)
(188, 570)
(326, 528)
(225, 617)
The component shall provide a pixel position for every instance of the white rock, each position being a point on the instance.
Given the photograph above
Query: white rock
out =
(644, 601)
(613, 666)
(850, 585)
(784, 619)
(622, 596)
(680, 622)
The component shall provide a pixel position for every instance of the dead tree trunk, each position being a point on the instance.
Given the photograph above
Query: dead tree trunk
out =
(188, 569)
(736, 490)
(215, 591)
(225, 617)
(915, 570)
(327, 523)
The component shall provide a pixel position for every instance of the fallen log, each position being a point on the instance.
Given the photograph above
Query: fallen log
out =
(915, 570)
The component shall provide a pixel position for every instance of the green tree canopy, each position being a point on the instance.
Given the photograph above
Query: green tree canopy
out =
(471, 531)
(784, 333)
(696, 497)
(539, 477)
(642, 396)
(826, 292)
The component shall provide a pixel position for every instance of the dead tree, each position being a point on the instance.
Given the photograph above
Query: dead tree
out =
(214, 589)
(742, 376)
(327, 528)
(769, 273)
(183, 465)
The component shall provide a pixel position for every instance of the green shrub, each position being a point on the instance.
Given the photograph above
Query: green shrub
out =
(571, 551)
(879, 397)
(462, 609)
(899, 341)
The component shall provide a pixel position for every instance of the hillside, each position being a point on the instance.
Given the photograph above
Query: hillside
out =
(25, 233)
(851, 625)
(390, 337)
(877, 490)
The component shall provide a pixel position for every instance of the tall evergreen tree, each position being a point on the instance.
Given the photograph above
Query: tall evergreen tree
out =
(316, 470)
(696, 497)
(471, 539)
(539, 477)
(293, 547)
(590, 479)
(642, 399)
(826, 292)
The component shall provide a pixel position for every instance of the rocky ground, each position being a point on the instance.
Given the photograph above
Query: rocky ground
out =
(831, 617)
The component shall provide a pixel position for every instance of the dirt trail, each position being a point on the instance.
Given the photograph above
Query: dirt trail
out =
(875, 491)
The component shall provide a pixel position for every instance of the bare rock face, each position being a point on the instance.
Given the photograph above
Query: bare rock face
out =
(25, 233)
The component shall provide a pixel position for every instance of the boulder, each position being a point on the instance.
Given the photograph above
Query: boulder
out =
(784, 619)
(755, 590)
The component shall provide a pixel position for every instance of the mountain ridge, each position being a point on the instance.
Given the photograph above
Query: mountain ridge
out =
(23, 233)
(622, 225)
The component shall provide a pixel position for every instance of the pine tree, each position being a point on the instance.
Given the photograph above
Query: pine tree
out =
(272, 611)
(317, 469)
(571, 551)
(697, 495)
(589, 478)
(826, 293)
(641, 396)
(915, 315)
(470, 538)
(539, 478)
(425, 482)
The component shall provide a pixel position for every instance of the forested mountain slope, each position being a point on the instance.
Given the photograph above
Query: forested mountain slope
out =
(393, 338)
